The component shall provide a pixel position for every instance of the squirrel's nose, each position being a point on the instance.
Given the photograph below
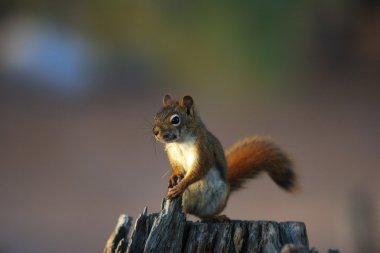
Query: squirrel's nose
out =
(156, 131)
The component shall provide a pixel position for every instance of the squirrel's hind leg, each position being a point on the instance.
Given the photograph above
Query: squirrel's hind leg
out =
(217, 218)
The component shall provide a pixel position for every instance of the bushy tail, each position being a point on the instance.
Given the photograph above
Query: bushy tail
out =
(253, 155)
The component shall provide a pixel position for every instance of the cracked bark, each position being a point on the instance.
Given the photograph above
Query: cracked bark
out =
(169, 231)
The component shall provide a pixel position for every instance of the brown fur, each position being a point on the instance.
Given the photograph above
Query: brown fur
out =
(211, 153)
(244, 160)
(253, 155)
(208, 146)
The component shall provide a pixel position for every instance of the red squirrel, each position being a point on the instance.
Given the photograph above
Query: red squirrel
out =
(208, 175)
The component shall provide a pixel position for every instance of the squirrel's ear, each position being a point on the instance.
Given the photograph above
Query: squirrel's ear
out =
(166, 99)
(188, 102)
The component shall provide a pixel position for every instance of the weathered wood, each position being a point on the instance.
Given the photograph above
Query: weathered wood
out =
(223, 238)
(168, 231)
(293, 248)
(141, 232)
(294, 233)
(197, 237)
(118, 240)
(168, 228)
(270, 237)
(333, 251)
(239, 236)
(253, 243)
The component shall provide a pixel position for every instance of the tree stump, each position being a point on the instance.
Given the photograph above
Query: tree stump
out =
(169, 231)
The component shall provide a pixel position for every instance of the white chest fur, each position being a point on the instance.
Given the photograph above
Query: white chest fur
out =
(184, 153)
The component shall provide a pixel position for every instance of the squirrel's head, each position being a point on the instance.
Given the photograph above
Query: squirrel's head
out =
(175, 119)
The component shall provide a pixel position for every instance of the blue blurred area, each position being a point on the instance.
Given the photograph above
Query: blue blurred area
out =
(38, 54)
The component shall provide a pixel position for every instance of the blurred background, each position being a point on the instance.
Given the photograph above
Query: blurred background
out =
(80, 82)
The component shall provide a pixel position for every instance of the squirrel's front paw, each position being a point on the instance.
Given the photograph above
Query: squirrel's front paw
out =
(175, 191)
(174, 180)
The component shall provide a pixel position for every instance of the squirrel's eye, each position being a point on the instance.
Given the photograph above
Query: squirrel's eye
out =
(175, 120)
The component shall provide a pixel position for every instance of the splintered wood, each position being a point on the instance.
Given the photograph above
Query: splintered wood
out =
(169, 231)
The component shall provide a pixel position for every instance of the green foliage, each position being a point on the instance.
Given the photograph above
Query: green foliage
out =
(249, 43)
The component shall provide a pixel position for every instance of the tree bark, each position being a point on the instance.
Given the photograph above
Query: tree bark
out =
(169, 231)
(118, 240)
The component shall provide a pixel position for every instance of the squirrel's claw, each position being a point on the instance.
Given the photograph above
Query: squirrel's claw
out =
(174, 180)
(175, 192)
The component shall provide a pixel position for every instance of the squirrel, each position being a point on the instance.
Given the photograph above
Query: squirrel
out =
(206, 174)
